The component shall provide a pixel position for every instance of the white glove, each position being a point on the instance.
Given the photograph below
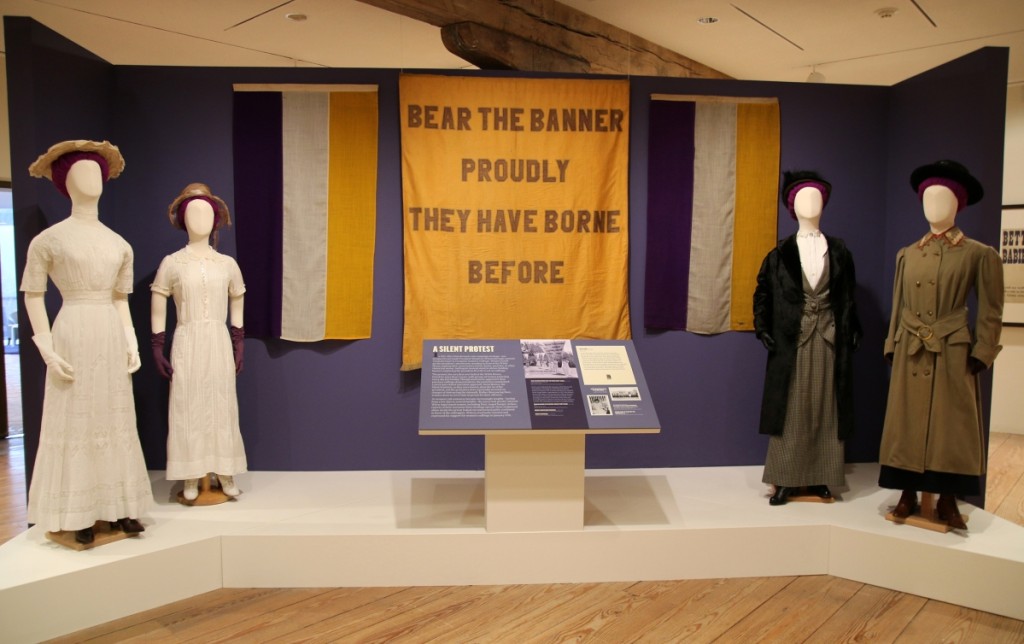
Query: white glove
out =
(59, 366)
(134, 362)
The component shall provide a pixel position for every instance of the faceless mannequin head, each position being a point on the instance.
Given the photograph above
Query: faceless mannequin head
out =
(940, 206)
(808, 203)
(198, 219)
(84, 180)
(807, 207)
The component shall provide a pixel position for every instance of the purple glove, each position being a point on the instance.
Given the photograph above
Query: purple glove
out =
(238, 347)
(163, 367)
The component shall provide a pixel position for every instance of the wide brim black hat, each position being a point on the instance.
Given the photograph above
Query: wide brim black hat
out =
(947, 169)
(792, 179)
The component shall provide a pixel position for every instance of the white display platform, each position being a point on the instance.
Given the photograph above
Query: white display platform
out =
(411, 528)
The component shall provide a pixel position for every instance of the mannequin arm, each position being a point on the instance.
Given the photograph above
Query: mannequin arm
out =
(121, 305)
(35, 306)
(237, 305)
(158, 313)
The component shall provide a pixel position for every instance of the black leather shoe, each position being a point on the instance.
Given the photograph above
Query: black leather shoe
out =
(84, 536)
(820, 491)
(947, 510)
(781, 495)
(906, 506)
(131, 526)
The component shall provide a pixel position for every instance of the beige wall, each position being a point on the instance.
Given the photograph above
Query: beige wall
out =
(5, 131)
(1007, 392)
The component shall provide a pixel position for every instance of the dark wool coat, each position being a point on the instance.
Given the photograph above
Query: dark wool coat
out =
(778, 307)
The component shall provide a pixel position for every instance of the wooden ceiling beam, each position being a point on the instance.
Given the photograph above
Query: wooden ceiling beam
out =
(492, 49)
(543, 35)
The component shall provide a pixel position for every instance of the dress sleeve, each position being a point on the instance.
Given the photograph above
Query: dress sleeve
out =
(236, 286)
(37, 265)
(763, 297)
(126, 274)
(989, 322)
(850, 298)
(897, 305)
(163, 283)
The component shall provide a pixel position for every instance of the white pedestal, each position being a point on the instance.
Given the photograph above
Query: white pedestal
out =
(534, 482)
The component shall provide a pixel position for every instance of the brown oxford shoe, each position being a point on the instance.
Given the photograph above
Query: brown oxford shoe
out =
(947, 510)
(906, 506)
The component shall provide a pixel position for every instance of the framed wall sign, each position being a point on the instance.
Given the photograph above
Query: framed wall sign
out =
(1011, 249)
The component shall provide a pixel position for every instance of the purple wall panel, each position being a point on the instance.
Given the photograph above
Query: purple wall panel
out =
(346, 405)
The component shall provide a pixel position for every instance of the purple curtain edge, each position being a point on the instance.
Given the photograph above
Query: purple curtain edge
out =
(259, 204)
(669, 213)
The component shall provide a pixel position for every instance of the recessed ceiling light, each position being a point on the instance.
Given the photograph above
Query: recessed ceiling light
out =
(886, 12)
(296, 17)
(707, 20)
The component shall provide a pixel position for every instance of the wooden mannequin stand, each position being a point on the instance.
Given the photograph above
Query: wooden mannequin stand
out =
(208, 495)
(925, 517)
(805, 497)
(103, 534)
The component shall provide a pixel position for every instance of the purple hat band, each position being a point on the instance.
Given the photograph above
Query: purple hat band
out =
(59, 169)
(791, 196)
(958, 189)
(184, 205)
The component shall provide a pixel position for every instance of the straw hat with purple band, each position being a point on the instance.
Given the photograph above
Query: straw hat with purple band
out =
(55, 162)
(176, 211)
(115, 162)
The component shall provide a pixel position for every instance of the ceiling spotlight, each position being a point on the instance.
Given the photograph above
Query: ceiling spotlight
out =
(886, 12)
(815, 77)
(296, 17)
(707, 20)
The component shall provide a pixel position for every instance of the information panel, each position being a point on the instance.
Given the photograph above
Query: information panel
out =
(540, 384)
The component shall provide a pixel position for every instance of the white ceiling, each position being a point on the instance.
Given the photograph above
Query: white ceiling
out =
(779, 40)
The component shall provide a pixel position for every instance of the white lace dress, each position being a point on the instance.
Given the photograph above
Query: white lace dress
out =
(89, 465)
(203, 434)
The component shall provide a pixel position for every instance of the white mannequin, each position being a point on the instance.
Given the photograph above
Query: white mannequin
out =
(85, 185)
(807, 207)
(199, 225)
(90, 465)
(199, 220)
(940, 207)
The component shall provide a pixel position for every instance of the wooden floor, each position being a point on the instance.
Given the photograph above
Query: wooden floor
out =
(770, 609)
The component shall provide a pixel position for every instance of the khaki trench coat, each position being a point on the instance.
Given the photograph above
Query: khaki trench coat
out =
(933, 415)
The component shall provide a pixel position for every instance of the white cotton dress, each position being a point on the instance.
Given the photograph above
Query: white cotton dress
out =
(89, 465)
(203, 434)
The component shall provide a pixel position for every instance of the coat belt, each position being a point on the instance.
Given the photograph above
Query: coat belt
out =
(931, 336)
